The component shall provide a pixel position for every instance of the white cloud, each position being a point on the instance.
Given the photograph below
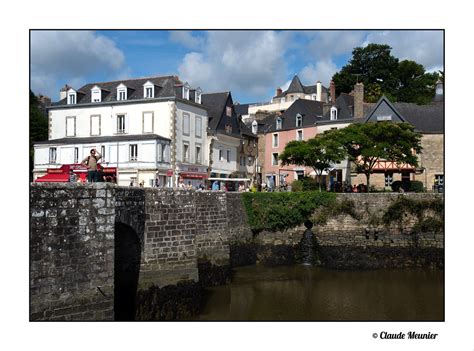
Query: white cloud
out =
(187, 39)
(250, 62)
(323, 71)
(71, 54)
(424, 47)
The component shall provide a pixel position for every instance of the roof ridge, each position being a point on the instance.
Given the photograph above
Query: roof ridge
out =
(131, 79)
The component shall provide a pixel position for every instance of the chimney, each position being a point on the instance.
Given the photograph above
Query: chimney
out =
(359, 100)
(279, 92)
(332, 91)
(45, 101)
(318, 90)
(63, 92)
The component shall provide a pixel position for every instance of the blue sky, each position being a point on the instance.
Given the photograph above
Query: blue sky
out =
(251, 64)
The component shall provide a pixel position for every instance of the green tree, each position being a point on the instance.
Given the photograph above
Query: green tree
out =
(415, 85)
(38, 127)
(383, 74)
(367, 143)
(370, 65)
(318, 153)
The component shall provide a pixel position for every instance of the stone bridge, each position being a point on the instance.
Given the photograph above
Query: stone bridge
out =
(94, 246)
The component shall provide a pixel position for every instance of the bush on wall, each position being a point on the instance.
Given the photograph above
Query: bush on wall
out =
(277, 211)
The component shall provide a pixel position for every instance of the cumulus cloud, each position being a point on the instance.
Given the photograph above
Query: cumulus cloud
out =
(186, 38)
(250, 62)
(327, 44)
(323, 71)
(71, 54)
(425, 47)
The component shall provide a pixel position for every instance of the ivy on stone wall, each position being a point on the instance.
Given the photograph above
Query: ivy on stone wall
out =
(283, 210)
(404, 205)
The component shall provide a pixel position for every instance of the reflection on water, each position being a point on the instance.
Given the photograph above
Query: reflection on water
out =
(313, 293)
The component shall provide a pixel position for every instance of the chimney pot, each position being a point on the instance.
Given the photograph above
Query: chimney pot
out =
(279, 92)
(332, 91)
(359, 100)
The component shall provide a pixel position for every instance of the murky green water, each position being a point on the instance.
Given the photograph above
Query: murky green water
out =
(312, 293)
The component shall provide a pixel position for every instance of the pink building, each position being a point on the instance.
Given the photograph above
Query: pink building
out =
(302, 121)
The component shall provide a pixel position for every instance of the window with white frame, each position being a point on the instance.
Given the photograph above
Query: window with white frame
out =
(159, 152)
(102, 152)
(121, 92)
(198, 153)
(96, 94)
(70, 126)
(388, 179)
(71, 97)
(95, 125)
(228, 155)
(133, 152)
(120, 123)
(275, 140)
(254, 127)
(221, 157)
(198, 127)
(299, 120)
(185, 123)
(228, 111)
(164, 153)
(439, 179)
(299, 135)
(185, 152)
(186, 91)
(275, 159)
(76, 155)
(198, 96)
(333, 113)
(278, 123)
(149, 90)
(52, 155)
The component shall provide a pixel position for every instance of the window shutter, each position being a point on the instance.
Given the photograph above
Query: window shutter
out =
(126, 123)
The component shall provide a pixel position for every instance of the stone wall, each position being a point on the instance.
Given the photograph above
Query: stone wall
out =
(431, 158)
(71, 251)
(170, 254)
(365, 242)
(212, 231)
(239, 230)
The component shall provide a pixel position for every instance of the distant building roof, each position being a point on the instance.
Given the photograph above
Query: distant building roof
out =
(296, 87)
(241, 109)
(166, 86)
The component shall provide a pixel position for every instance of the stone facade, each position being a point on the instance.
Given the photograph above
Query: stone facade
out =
(431, 159)
(72, 252)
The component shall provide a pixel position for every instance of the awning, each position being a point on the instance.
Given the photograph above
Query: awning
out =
(231, 179)
(193, 175)
(169, 173)
(59, 178)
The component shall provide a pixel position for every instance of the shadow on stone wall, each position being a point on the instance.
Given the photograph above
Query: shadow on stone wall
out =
(126, 271)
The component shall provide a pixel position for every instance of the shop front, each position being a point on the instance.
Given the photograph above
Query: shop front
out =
(192, 175)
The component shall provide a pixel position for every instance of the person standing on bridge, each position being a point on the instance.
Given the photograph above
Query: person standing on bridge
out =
(91, 163)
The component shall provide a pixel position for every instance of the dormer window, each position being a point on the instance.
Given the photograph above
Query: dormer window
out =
(254, 127)
(333, 113)
(278, 123)
(96, 94)
(148, 90)
(121, 92)
(299, 120)
(186, 91)
(197, 95)
(71, 97)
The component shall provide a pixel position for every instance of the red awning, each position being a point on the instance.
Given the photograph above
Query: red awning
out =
(193, 175)
(53, 177)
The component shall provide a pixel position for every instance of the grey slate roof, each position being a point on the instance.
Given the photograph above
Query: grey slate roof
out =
(215, 104)
(425, 118)
(297, 87)
(166, 86)
(104, 139)
(345, 107)
(312, 112)
(241, 109)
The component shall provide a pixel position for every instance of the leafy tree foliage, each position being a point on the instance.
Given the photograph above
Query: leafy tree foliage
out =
(367, 143)
(383, 74)
(38, 127)
(318, 153)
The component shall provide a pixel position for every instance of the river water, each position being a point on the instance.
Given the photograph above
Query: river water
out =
(319, 294)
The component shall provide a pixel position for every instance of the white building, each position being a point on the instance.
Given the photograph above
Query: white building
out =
(144, 126)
